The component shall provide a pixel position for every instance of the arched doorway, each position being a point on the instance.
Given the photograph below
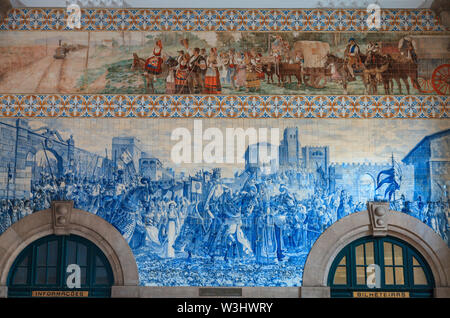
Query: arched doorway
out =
(401, 270)
(41, 269)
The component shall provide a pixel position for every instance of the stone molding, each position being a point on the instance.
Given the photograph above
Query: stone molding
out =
(378, 217)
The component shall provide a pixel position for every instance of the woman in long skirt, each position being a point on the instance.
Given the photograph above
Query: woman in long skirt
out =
(171, 230)
(252, 81)
(212, 77)
(241, 72)
(181, 76)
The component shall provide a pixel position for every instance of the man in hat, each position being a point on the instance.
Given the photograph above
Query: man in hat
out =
(197, 69)
(153, 63)
(352, 57)
(407, 48)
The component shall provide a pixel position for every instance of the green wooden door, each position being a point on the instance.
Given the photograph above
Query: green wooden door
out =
(402, 270)
(41, 269)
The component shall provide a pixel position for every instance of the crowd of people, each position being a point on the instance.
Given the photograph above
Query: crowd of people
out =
(264, 220)
(205, 71)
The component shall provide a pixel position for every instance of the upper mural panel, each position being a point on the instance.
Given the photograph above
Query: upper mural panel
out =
(226, 63)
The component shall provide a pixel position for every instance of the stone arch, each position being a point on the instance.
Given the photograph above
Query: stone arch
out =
(354, 226)
(59, 161)
(82, 223)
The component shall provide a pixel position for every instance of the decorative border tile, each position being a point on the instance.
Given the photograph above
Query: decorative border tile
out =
(270, 20)
(225, 106)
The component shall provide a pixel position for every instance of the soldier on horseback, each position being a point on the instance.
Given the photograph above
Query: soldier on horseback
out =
(352, 57)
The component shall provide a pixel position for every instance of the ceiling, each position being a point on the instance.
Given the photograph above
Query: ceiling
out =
(220, 4)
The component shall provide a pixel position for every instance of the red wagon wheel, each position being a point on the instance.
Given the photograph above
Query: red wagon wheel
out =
(441, 79)
(425, 85)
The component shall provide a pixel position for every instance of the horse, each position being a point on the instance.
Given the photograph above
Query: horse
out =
(125, 218)
(386, 69)
(341, 68)
(140, 64)
(404, 69)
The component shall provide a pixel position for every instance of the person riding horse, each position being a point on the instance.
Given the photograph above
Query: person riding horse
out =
(407, 49)
(153, 63)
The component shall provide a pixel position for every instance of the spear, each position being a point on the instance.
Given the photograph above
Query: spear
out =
(48, 161)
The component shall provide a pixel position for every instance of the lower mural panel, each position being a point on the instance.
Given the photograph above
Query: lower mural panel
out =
(224, 202)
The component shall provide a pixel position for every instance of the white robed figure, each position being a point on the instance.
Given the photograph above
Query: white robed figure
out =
(172, 230)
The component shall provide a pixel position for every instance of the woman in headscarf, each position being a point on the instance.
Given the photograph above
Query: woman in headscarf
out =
(252, 81)
(153, 63)
(212, 79)
(181, 75)
(240, 77)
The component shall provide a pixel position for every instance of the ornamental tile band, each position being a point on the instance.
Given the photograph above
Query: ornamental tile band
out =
(239, 106)
(265, 20)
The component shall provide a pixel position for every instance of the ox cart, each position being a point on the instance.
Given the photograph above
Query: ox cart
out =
(312, 70)
(314, 57)
(433, 62)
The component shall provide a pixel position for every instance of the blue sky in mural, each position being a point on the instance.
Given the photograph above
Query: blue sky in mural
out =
(251, 224)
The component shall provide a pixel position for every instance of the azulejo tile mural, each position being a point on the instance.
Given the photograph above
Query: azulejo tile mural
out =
(224, 63)
(196, 214)
(204, 194)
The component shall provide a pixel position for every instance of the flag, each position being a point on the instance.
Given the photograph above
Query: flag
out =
(196, 186)
(393, 179)
(126, 157)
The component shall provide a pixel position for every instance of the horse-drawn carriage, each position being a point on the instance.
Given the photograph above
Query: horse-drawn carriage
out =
(433, 58)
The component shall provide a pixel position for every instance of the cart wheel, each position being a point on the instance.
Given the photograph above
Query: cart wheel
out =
(441, 79)
(425, 85)
(319, 82)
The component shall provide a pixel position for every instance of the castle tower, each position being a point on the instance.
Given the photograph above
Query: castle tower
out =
(290, 149)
